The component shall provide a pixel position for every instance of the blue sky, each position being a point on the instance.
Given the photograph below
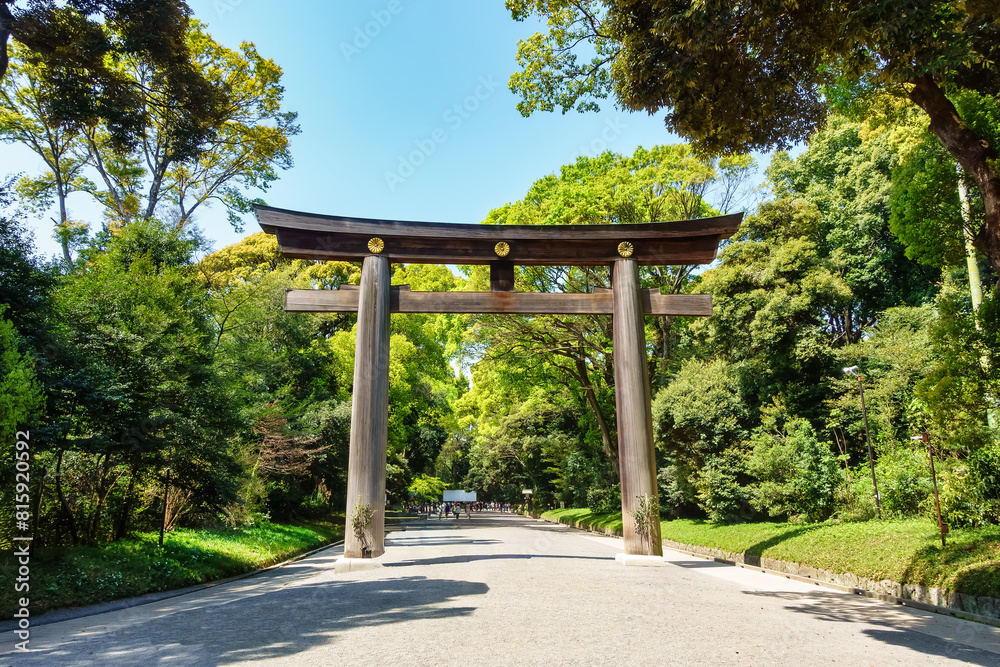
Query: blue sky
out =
(404, 109)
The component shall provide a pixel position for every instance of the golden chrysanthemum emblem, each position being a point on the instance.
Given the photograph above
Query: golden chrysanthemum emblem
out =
(625, 249)
(501, 249)
(376, 245)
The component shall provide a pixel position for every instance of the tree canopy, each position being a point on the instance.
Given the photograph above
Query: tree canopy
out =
(76, 45)
(169, 173)
(757, 74)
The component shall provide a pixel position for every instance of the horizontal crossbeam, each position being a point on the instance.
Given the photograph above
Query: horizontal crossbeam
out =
(339, 238)
(402, 300)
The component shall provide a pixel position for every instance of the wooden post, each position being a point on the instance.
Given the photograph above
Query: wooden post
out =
(370, 406)
(501, 276)
(632, 401)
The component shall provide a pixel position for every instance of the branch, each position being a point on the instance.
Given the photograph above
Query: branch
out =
(590, 19)
(6, 21)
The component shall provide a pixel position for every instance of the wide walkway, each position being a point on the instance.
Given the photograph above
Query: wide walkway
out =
(500, 590)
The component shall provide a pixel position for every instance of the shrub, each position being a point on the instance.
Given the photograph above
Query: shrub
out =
(678, 495)
(605, 500)
(797, 474)
(904, 481)
(970, 489)
(720, 492)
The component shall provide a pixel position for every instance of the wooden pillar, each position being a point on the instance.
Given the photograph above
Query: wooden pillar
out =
(632, 400)
(370, 406)
(501, 276)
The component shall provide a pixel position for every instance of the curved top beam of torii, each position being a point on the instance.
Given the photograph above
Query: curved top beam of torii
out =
(328, 237)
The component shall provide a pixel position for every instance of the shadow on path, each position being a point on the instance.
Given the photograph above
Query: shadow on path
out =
(435, 541)
(840, 608)
(697, 564)
(272, 624)
(446, 560)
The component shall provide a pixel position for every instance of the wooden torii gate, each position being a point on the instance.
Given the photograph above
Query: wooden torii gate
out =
(377, 242)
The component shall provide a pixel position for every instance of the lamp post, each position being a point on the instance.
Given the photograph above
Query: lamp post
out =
(937, 503)
(853, 370)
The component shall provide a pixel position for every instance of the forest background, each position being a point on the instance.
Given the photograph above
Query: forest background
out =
(141, 365)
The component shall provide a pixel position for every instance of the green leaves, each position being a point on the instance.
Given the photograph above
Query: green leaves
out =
(233, 138)
(553, 75)
(20, 392)
(796, 474)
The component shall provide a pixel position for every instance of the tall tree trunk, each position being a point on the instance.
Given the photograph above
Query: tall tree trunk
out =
(975, 282)
(974, 153)
(67, 512)
(602, 425)
(5, 21)
(37, 510)
(121, 525)
(976, 290)
(154, 188)
(63, 216)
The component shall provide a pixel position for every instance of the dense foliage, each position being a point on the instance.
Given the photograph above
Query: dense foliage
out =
(163, 385)
(743, 75)
(754, 416)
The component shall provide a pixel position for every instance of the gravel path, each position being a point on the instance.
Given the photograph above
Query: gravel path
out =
(503, 590)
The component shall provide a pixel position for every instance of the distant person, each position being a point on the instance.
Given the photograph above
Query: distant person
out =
(455, 508)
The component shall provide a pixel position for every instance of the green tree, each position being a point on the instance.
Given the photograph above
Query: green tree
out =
(25, 285)
(757, 74)
(698, 417)
(893, 358)
(131, 388)
(425, 487)
(20, 392)
(286, 373)
(175, 169)
(848, 172)
(773, 295)
(166, 178)
(25, 118)
(76, 46)
(960, 389)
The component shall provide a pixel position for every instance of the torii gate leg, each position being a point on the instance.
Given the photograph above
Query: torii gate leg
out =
(370, 406)
(632, 400)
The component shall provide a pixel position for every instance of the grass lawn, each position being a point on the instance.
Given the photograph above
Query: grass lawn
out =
(76, 576)
(905, 550)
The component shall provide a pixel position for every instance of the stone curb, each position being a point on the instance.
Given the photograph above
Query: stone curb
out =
(943, 602)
